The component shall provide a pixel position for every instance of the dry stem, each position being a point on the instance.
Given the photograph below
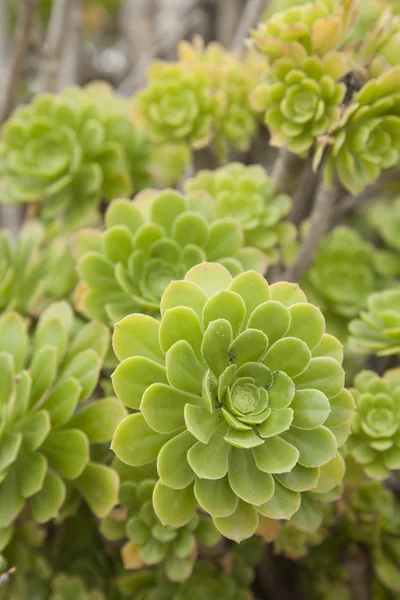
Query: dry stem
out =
(320, 222)
(20, 50)
(287, 171)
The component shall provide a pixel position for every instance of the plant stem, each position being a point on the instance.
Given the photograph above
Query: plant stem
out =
(287, 171)
(19, 55)
(320, 222)
(53, 45)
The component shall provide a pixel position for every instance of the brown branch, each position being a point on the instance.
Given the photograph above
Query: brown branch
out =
(72, 49)
(287, 171)
(53, 44)
(250, 15)
(19, 54)
(321, 218)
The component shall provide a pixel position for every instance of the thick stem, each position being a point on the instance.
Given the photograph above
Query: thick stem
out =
(72, 50)
(302, 201)
(320, 221)
(53, 44)
(287, 171)
(250, 15)
(19, 55)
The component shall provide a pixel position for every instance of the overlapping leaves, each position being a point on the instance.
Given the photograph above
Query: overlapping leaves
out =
(241, 401)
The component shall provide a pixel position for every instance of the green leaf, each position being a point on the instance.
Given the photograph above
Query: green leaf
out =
(211, 277)
(215, 347)
(311, 409)
(282, 391)
(283, 504)
(32, 469)
(287, 293)
(137, 335)
(85, 368)
(323, 374)
(254, 290)
(62, 401)
(240, 525)
(316, 446)
(225, 305)
(67, 451)
(307, 323)
(99, 420)
(14, 338)
(329, 346)
(183, 293)
(7, 377)
(290, 355)
(93, 336)
(135, 443)
(43, 370)
(180, 323)
(118, 244)
(18, 404)
(9, 449)
(191, 228)
(342, 408)
(242, 439)
(300, 479)
(331, 475)
(246, 479)
(172, 463)
(98, 484)
(210, 461)
(163, 407)
(226, 237)
(124, 212)
(166, 207)
(275, 455)
(34, 428)
(249, 346)
(272, 318)
(309, 516)
(183, 369)
(133, 376)
(11, 500)
(200, 422)
(277, 422)
(216, 496)
(46, 504)
(97, 272)
(174, 507)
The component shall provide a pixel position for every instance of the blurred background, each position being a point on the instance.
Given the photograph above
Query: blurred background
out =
(77, 41)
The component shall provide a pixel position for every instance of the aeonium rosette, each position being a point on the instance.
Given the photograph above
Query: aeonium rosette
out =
(240, 398)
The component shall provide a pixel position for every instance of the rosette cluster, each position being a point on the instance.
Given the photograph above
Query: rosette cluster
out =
(45, 431)
(69, 151)
(150, 542)
(377, 329)
(301, 98)
(375, 439)
(150, 242)
(34, 269)
(248, 194)
(240, 398)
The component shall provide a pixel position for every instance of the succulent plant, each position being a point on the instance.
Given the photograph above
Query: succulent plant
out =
(373, 516)
(380, 46)
(34, 270)
(384, 219)
(45, 431)
(377, 330)
(241, 401)
(294, 543)
(148, 243)
(368, 139)
(177, 105)
(317, 26)
(231, 77)
(30, 568)
(346, 270)
(150, 543)
(375, 441)
(301, 98)
(67, 587)
(67, 152)
(247, 193)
